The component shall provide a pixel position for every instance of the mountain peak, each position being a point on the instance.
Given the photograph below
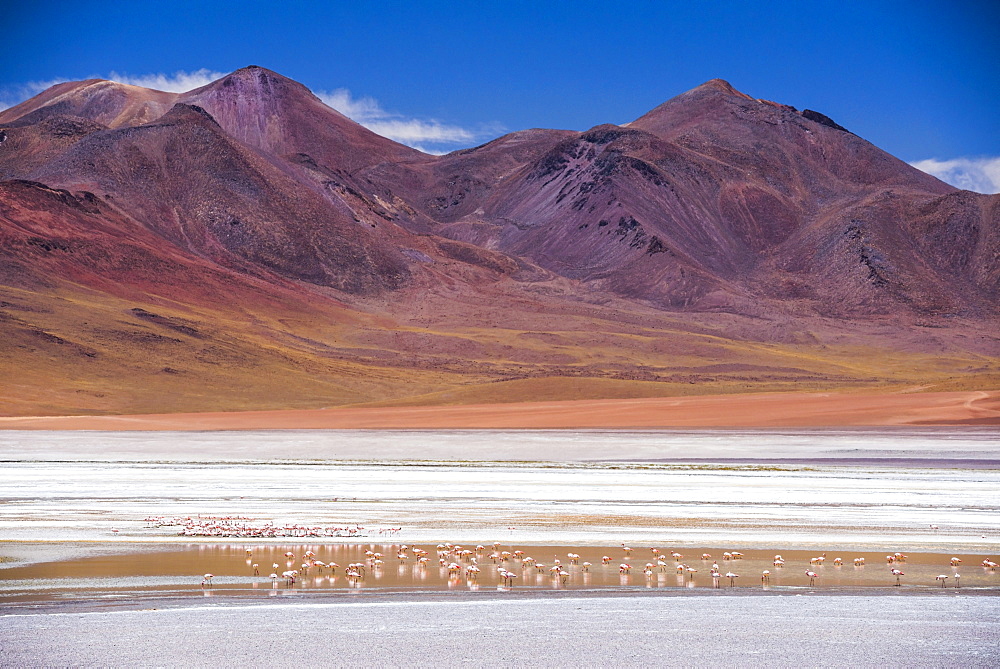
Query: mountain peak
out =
(718, 85)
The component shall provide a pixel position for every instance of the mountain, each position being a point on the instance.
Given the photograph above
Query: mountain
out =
(715, 200)
(242, 245)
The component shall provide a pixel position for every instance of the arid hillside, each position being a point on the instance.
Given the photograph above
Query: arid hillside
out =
(243, 246)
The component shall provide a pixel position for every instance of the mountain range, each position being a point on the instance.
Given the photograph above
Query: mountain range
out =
(243, 245)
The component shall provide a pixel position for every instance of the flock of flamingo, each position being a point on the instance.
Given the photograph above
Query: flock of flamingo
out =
(241, 527)
(468, 564)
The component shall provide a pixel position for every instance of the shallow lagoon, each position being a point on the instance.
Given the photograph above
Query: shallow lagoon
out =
(79, 529)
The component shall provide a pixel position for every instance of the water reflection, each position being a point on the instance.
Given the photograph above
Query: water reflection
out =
(234, 569)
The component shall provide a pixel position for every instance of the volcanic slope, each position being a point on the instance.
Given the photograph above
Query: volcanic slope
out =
(244, 246)
(715, 200)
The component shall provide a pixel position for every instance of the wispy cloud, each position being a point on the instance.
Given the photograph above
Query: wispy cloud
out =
(981, 175)
(178, 82)
(427, 135)
(15, 95)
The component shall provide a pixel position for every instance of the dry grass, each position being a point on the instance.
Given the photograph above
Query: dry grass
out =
(67, 350)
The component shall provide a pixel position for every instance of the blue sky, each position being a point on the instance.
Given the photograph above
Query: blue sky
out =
(920, 79)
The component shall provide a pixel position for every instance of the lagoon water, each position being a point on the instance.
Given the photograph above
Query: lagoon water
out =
(90, 545)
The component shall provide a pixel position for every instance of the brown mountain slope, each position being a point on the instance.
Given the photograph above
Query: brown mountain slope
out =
(189, 182)
(106, 102)
(718, 201)
(244, 246)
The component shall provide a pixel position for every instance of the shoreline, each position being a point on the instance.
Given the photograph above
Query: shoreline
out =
(748, 411)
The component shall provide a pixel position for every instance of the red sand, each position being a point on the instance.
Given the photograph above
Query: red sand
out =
(752, 410)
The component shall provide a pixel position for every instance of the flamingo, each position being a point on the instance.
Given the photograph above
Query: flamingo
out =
(676, 556)
(837, 562)
(256, 569)
(605, 560)
(942, 578)
(706, 556)
(732, 578)
(586, 566)
(897, 573)
(624, 568)
(628, 550)
(812, 576)
(207, 580)
(765, 577)
(955, 562)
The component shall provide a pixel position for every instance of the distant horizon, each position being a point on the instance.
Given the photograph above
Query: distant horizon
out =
(441, 79)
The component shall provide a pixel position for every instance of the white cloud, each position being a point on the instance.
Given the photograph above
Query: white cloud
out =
(417, 133)
(427, 135)
(981, 175)
(15, 95)
(178, 82)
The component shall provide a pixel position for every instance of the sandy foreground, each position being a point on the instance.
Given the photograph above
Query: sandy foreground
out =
(751, 410)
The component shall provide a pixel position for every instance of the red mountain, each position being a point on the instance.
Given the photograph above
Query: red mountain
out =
(245, 231)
